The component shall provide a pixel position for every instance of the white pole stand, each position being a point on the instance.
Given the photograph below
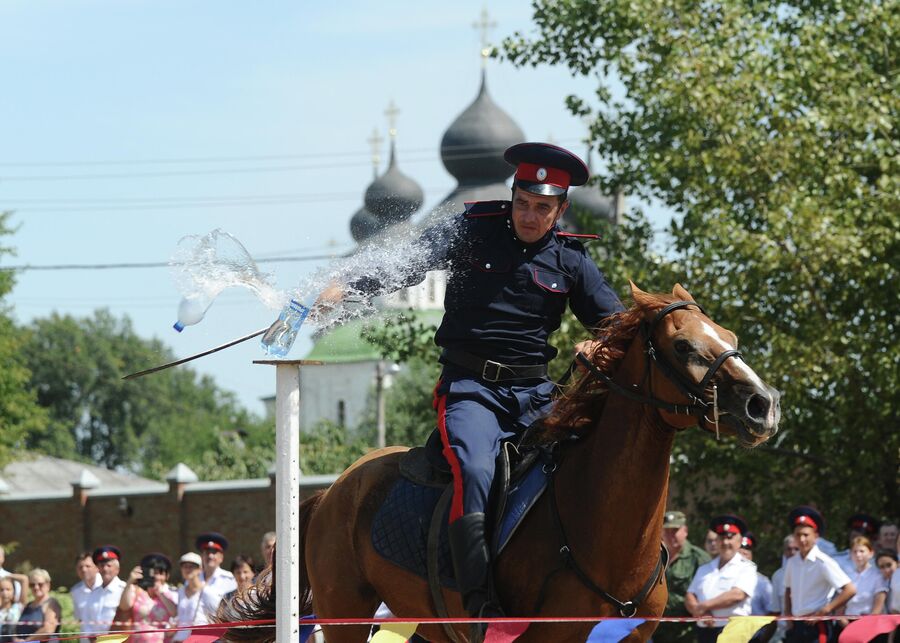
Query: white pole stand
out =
(287, 489)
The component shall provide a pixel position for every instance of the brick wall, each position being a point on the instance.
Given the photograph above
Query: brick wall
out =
(51, 531)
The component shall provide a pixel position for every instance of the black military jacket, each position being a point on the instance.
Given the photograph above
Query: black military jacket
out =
(505, 297)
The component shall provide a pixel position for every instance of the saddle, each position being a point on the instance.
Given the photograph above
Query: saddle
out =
(410, 528)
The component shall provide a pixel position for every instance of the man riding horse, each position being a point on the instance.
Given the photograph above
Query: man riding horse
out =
(511, 273)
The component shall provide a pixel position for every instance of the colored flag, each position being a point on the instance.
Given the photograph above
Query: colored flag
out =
(740, 629)
(868, 627)
(394, 632)
(112, 638)
(306, 630)
(613, 630)
(504, 632)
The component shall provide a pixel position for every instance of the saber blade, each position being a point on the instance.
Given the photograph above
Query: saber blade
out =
(229, 344)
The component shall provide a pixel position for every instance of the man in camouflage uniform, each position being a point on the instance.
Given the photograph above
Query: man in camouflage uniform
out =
(684, 559)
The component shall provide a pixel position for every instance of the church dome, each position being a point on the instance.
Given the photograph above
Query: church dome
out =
(363, 225)
(589, 200)
(472, 147)
(393, 197)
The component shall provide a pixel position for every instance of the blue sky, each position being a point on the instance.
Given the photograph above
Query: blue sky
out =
(108, 105)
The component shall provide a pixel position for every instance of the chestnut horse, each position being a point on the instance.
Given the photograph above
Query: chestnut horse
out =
(609, 489)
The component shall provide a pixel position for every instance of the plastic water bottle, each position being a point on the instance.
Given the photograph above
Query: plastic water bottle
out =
(191, 310)
(277, 341)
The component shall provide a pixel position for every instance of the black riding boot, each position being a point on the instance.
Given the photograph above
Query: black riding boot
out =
(471, 563)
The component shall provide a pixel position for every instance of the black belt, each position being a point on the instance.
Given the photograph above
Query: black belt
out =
(492, 371)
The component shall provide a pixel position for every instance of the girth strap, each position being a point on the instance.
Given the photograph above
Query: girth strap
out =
(627, 608)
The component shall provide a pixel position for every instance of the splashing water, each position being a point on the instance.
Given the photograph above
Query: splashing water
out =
(208, 264)
(392, 258)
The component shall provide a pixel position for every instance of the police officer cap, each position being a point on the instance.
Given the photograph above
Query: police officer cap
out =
(674, 519)
(806, 516)
(863, 523)
(212, 540)
(545, 169)
(748, 541)
(728, 524)
(105, 553)
(157, 561)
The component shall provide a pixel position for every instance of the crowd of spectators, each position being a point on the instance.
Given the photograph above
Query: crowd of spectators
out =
(721, 580)
(144, 603)
(710, 583)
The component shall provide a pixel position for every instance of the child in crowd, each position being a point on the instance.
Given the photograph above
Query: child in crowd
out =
(10, 609)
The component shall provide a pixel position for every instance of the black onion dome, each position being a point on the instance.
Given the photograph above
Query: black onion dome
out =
(393, 196)
(472, 147)
(591, 200)
(363, 225)
(588, 199)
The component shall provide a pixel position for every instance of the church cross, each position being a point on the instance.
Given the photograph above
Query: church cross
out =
(484, 25)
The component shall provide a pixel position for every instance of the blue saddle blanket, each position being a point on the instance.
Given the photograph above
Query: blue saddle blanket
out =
(400, 527)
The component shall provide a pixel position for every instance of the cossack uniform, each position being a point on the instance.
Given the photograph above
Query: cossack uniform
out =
(810, 581)
(99, 609)
(719, 576)
(504, 298)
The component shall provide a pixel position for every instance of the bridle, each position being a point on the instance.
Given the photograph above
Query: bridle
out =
(695, 393)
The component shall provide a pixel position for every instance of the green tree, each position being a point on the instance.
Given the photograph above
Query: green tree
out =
(20, 414)
(146, 425)
(771, 130)
(329, 448)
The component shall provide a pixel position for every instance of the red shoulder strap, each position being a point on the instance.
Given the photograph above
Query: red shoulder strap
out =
(574, 235)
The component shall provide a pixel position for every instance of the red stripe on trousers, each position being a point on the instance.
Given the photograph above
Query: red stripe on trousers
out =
(456, 505)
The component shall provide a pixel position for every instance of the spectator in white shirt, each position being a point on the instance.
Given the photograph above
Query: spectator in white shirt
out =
(762, 602)
(814, 585)
(87, 571)
(724, 586)
(99, 609)
(871, 588)
(858, 524)
(17, 584)
(212, 546)
(886, 559)
(194, 599)
(788, 549)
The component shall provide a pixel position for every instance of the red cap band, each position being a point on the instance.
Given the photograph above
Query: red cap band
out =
(212, 545)
(803, 519)
(727, 528)
(107, 555)
(543, 174)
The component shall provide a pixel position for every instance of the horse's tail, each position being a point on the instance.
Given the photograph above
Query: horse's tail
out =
(258, 602)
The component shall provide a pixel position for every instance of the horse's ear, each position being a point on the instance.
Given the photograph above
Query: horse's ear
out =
(641, 298)
(681, 293)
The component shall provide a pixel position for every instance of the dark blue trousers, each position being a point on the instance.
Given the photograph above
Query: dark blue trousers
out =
(474, 416)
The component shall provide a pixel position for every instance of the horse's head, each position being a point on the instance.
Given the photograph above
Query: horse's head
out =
(695, 363)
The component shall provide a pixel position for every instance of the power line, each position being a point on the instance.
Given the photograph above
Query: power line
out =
(232, 159)
(462, 156)
(149, 264)
(175, 203)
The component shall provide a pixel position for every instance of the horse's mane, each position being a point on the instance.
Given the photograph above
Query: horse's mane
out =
(583, 402)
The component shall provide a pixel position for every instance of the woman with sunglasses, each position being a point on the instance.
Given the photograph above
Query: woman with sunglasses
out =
(42, 614)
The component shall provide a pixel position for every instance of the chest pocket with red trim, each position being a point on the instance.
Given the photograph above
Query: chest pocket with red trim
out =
(550, 281)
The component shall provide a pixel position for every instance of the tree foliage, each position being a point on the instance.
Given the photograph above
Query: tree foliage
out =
(146, 425)
(771, 129)
(19, 413)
